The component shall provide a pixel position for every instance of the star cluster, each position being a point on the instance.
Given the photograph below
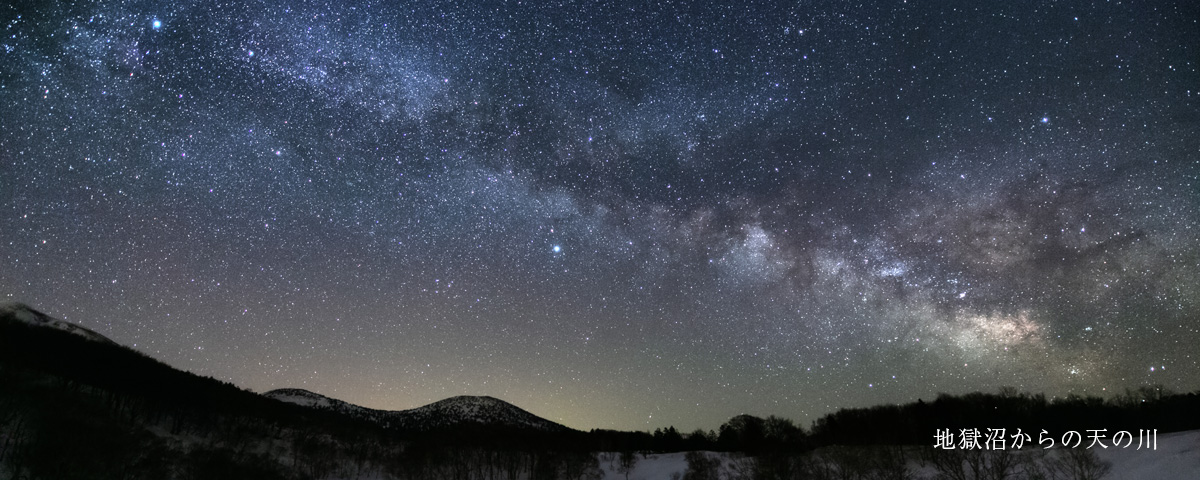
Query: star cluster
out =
(618, 214)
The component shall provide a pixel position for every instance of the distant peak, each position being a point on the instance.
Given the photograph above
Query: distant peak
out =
(296, 395)
(302, 397)
(20, 312)
(9, 307)
(473, 402)
(479, 410)
(473, 399)
(278, 392)
(463, 409)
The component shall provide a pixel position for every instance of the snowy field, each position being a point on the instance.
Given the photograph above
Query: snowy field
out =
(650, 467)
(1177, 458)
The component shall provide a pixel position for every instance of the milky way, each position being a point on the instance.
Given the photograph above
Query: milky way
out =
(617, 215)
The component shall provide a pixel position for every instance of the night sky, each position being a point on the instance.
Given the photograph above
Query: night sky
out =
(614, 214)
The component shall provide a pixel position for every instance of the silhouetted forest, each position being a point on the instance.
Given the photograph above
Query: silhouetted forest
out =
(73, 408)
(1148, 407)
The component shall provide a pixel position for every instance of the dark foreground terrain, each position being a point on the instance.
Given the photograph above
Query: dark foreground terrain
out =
(74, 405)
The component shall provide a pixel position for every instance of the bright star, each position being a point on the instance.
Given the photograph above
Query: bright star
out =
(1045, 119)
(156, 25)
(557, 249)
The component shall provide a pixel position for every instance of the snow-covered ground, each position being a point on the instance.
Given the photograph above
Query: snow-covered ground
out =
(653, 466)
(1177, 458)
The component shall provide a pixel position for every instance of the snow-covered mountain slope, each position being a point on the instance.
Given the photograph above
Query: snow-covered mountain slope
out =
(302, 397)
(20, 312)
(474, 409)
(454, 411)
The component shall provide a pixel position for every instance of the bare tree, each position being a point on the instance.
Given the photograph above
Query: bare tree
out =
(626, 463)
(889, 462)
(700, 466)
(1078, 464)
(579, 466)
(11, 428)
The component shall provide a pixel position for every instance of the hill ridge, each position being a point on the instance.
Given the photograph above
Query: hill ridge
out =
(479, 410)
(23, 313)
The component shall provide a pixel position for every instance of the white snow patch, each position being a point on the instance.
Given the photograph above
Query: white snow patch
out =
(25, 314)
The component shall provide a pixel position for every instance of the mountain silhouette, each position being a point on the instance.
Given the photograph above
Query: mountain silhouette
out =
(452, 412)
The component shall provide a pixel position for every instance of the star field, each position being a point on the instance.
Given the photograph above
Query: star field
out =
(618, 215)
